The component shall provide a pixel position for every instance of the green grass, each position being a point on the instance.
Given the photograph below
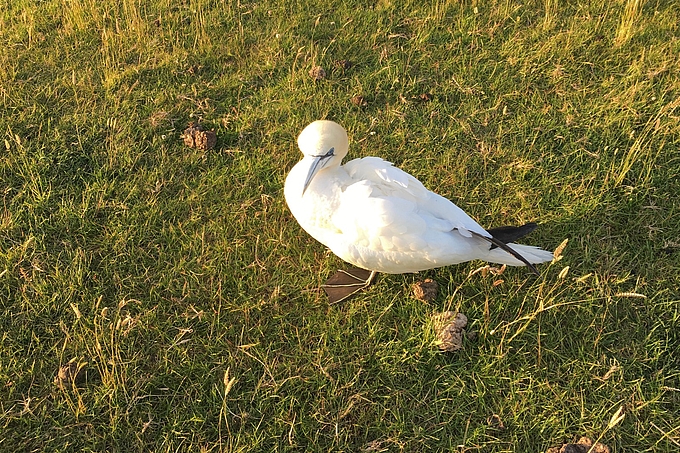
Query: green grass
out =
(183, 284)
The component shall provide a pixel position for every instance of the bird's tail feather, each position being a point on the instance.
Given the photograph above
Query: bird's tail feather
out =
(532, 254)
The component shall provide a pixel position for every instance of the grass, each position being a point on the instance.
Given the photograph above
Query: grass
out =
(183, 287)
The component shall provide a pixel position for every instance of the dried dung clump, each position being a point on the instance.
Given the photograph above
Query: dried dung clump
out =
(195, 136)
(584, 445)
(426, 291)
(317, 73)
(450, 328)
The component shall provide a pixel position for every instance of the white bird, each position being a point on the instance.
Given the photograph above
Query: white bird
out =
(381, 219)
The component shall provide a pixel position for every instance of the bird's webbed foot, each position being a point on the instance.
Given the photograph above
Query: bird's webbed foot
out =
(345, 283)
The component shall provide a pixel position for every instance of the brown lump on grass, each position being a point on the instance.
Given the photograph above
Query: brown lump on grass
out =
(195, 136)
(450, 328)
(317, 73)
(426, 290)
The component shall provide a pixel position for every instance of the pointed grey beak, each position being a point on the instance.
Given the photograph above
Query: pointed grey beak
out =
(318, 163)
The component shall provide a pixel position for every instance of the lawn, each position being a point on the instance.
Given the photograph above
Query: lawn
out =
(160, 298)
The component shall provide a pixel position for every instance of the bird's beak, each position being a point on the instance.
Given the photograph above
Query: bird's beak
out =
(318, 163)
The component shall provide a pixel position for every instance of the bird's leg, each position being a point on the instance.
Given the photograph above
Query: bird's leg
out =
(345, 283)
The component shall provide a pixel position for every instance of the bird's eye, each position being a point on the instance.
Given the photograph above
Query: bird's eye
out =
(330, 153)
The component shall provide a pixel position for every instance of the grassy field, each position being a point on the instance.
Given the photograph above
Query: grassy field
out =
(180, 286)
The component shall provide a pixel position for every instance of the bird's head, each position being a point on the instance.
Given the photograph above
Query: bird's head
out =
(324, 143)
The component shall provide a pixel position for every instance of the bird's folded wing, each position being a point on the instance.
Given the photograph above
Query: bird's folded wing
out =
(385, 197)
(375, 222)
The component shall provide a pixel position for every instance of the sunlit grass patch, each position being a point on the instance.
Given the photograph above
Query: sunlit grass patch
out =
(159, 297)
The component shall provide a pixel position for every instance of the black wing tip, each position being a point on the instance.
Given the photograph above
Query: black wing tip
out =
(498, 243)
(507, 234)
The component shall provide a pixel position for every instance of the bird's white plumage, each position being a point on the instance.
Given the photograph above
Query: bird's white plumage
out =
(378, 217)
